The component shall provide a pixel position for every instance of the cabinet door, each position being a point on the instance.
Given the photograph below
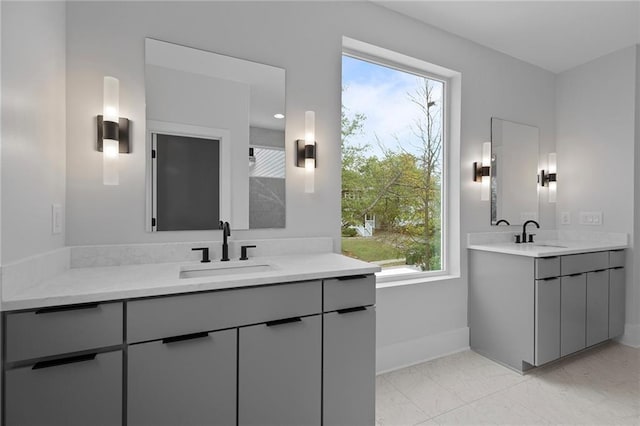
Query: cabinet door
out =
(279, 373)
(573, 306)
(597, 307)
(190, 381)
(547, 320)
(349, 367)
(74, 391)
(616, 301)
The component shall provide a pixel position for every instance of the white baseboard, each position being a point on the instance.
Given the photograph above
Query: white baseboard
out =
(631, 336)
(411, 352)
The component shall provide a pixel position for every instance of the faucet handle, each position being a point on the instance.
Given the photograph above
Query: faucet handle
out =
(517, 238)
(243, 252)
(205, 253)
(531, 237)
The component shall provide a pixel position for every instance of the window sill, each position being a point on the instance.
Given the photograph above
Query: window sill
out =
(416, 280)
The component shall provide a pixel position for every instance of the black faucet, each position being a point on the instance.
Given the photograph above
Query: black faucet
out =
(502, 221)
(205, 254)
(226, 232)
(524, 230)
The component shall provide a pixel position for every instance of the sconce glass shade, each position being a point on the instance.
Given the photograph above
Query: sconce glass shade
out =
(553, 184)
(309, 140)
(485, 191)
(111, 118)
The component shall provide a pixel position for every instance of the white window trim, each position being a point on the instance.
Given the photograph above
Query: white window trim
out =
(450, 232)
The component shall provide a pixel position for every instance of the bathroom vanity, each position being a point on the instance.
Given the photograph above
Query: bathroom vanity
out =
(294, 345)
(530, 304)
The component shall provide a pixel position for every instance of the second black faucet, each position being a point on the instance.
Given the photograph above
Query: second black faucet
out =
(226, 232)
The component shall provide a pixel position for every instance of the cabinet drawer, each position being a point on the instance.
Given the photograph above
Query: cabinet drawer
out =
(577, 263)
(547, 267)
(616, 258)
(59, 330)
(151, 319)
(72, 393)
(349, 292)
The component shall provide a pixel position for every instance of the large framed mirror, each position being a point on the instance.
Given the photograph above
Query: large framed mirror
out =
(215, 140)
(514, 172)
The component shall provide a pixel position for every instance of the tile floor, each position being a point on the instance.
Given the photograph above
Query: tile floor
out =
(598, 387)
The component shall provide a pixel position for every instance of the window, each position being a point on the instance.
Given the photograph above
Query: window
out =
(394, 147)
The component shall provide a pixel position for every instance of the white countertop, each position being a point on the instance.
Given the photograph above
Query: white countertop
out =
(548, 248)
(82, 285)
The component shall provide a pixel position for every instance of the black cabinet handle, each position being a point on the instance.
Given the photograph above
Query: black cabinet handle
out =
(352, 277)
(549, 278)
(63, 361)
(600, 270)
(348, 310)
(53, 309)
(618, 267)
(185, 337)
(283, 321)
(576, 275)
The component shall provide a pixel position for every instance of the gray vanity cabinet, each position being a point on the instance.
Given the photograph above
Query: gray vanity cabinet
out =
(188, 380)
(547, 322)
(349, 360)
(526, 311)
(72, 391)
(573, 305)
(349, 364)
(616, 301)
(279, 373)
(597, 328)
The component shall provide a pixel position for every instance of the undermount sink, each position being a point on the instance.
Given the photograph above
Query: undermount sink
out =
(549, 245)
(223, 269)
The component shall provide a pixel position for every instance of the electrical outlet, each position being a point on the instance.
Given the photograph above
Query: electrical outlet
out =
(565, 218)
(591, 218)
(56, 219)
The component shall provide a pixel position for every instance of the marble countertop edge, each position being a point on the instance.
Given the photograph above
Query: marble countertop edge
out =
(113, 283)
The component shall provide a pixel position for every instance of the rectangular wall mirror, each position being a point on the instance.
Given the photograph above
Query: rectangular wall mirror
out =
(514, 172)
(224, 118)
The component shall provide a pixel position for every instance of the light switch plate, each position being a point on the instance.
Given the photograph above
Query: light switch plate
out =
(56, 219)
(565, 218)
(591, 218)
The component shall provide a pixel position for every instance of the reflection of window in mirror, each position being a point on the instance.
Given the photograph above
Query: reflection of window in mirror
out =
(186, 182)
(267, 188)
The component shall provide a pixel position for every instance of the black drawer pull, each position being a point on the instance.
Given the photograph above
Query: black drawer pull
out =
(63, 361)
(351, 277)
(283, 321)
(600, 270)
(576, 275)
(618, 267)
(549, 278)
(53, 309)
(347, 310)
(185, 337)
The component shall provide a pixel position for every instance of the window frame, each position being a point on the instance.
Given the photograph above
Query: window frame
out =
(382, 59)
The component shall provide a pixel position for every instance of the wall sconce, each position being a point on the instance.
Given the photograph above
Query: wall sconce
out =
(550, 178)
(306, 151)
(482, 172)
(113, 132)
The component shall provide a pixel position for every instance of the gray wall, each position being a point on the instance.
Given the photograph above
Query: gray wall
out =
(305, 39)
(596, 139)
(33, 126)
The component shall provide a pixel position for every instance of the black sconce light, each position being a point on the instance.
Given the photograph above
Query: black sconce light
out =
(112, 132)
(306, 154)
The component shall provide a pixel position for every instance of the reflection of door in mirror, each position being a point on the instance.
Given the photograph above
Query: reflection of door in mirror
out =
(514, 172)
(192, 87)
(187, 183)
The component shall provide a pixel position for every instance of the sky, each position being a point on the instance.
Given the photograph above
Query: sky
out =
(381, 94)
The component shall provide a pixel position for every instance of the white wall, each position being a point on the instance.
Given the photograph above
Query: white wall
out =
(305, 39)
(633, 319)
(595, 144)
(33, 126)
